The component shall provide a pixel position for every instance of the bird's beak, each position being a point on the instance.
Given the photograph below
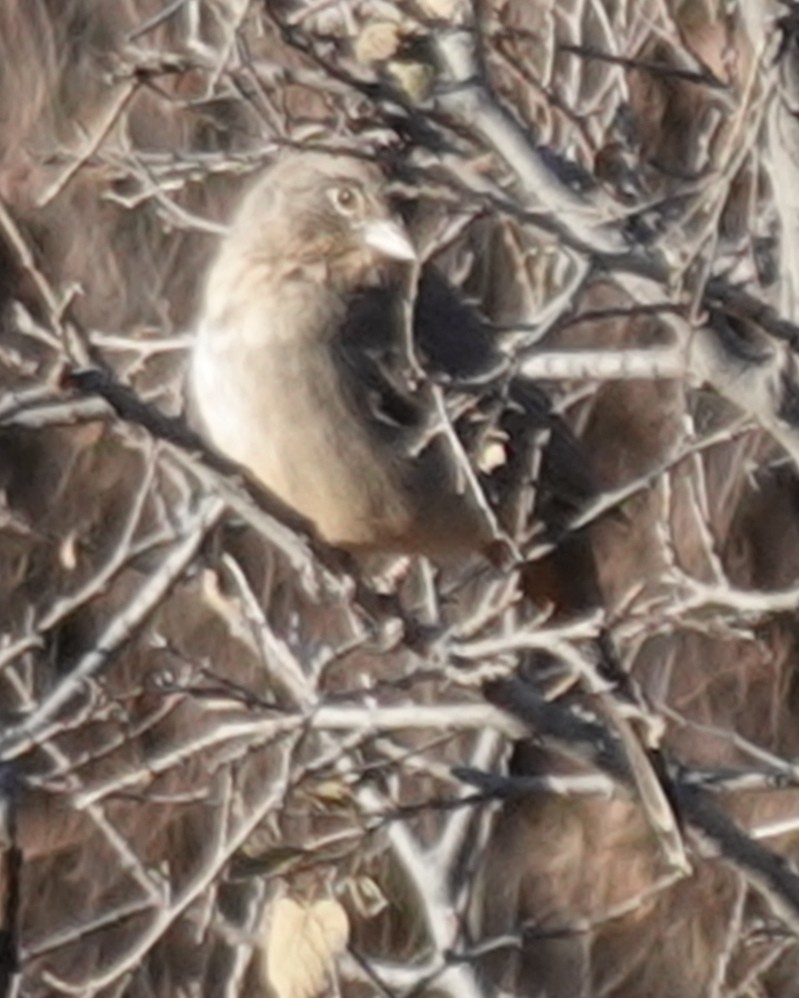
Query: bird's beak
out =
(390, 239)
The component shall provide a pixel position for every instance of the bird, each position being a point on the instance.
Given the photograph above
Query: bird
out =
(303, 373)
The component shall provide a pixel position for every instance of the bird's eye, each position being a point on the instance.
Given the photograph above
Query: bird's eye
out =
(345, 199)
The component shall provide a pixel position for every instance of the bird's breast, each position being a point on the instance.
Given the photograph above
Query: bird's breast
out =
(281, 411)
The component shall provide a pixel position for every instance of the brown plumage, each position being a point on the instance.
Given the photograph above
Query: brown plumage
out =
(302, 374)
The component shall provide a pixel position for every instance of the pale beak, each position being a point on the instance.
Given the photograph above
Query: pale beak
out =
(389, 238)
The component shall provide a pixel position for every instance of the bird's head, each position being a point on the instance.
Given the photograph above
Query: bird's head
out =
(324, 217)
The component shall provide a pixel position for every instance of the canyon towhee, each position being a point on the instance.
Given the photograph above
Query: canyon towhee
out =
(303, 371)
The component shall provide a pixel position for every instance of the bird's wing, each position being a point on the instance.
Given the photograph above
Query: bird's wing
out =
(455, 343)
(543, 474)
(374, 368)
(459, 347)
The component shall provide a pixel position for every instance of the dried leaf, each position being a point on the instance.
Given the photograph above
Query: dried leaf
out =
(303, 943)
(378, 41)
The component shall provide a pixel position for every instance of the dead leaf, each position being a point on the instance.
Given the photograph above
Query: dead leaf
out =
(303, 943)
